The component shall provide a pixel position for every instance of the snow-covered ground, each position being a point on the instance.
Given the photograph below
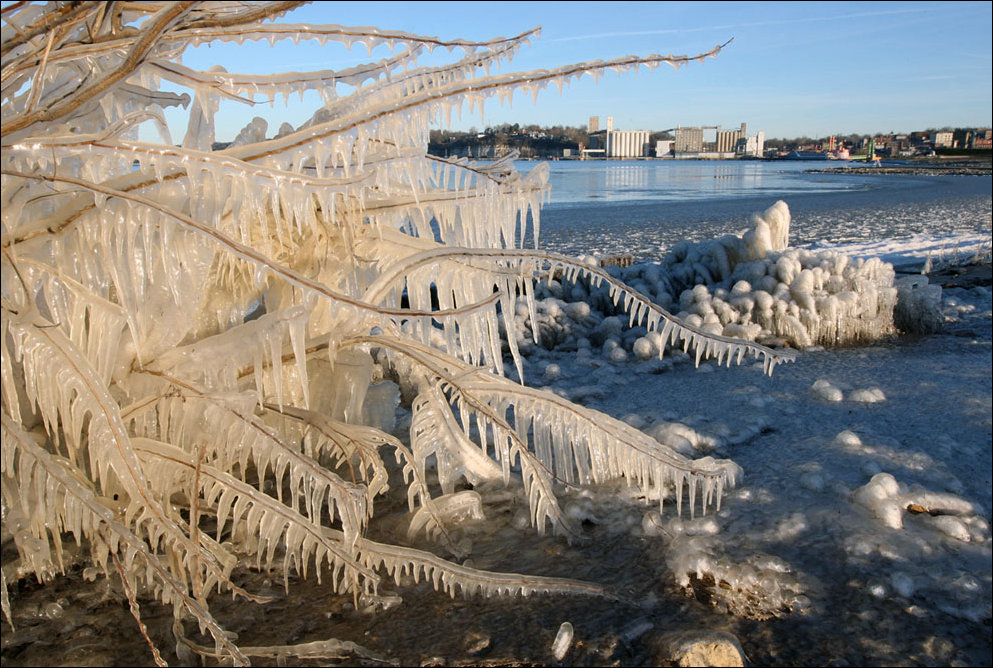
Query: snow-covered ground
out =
(914, 252)
(860, 530)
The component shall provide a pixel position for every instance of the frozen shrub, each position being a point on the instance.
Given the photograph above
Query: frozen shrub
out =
(760, 289)
(191, 337)
(918, 309)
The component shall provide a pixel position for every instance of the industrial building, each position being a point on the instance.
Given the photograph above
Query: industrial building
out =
(752, 147)
(727, 140)
(689, 142)
(611, 143)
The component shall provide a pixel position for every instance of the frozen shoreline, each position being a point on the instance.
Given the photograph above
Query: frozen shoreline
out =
(870, 594)
(821, 577)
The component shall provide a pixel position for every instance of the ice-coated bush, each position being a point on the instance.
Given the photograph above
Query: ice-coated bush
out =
(758, 288)
(195, 342)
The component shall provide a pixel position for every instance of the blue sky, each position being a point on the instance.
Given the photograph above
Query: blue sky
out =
(793, 69)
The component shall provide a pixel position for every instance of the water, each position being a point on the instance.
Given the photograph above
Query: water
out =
(593, 181)
(643, 207)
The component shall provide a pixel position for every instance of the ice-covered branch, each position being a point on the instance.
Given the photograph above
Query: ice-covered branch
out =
(150, 34)
(516, 263)
(73, 506)
(281, 260)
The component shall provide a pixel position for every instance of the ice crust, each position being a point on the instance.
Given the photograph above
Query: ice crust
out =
(577, 323)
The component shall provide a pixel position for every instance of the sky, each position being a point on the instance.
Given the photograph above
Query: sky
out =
(793, 69)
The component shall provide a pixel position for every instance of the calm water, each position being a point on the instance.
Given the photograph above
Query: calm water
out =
(595, 181)
(643, 207)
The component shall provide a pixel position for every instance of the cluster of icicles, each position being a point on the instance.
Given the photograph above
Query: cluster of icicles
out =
(187, 334)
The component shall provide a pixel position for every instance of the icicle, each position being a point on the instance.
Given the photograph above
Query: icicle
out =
(298, 332)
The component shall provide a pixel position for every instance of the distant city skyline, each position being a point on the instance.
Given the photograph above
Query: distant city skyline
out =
(794, 68)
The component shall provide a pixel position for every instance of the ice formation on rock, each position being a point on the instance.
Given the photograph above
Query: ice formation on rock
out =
(891, 503)
(755, 287)
(759, 587)
(918, 309)
(803, 297)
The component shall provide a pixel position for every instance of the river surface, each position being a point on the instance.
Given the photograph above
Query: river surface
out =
(643, 207)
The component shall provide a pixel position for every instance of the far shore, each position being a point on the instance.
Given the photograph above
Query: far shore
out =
(953, 165)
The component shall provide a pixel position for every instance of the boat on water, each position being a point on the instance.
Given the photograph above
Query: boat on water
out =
(807, 155)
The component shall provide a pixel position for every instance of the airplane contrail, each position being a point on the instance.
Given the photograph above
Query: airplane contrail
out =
(752, 24)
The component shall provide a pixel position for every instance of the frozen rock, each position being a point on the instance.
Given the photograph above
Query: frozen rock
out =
(608, 327)
(881, 496)
(683, 439)
(812, 480)
(581, 510)
(370, 604)
(903, 584)
(918, 306)
(643, 349)
(825, 390)
(635, 420)
(553, 308)
(789, 528)
(563, 641)
(849, 440)
(946, 513)
(940, 503)
(617, 355)
(951, 526)
(578, 311)
(477, 644)
(872, 395)
(701, 526)
(702, 647)
(586, 393)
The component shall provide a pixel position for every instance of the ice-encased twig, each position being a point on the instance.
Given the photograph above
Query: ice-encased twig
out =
(73, 506)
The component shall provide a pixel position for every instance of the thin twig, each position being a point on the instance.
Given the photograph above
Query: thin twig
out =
(137, 54)
(39, 80)
(135, 612)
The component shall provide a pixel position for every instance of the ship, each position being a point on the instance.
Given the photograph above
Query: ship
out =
(807, 155)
